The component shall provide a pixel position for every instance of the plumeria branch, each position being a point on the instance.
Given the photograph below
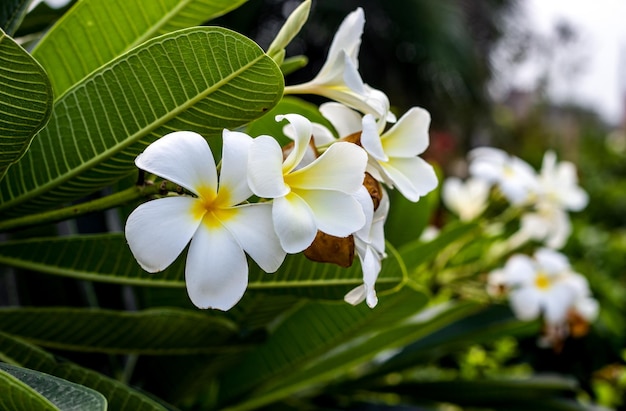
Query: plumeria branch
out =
(111, 201)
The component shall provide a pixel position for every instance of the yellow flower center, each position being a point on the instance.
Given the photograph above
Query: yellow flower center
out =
(542, 281)
(212, 208)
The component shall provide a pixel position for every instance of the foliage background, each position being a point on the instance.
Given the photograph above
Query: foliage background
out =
(426, 53)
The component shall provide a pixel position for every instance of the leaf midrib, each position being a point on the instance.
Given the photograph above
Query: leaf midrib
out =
(62, 178)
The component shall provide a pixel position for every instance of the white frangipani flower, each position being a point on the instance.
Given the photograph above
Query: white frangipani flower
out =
(547, 223)
(216, 222)
(316, 196)
(394, 155)
(544, 284)
(558, 184)
(339, 77)
(467, 199)
(557, 192)
(369, 243)
(513, 176)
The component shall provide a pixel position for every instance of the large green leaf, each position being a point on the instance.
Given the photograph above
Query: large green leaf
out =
(64, 395)
(18, 396)
(472, 324)
(289, 360)
(11, 14)
(94, 32)
(161, 331)
(25, 100)
(201, 79)
(119, 396)
(542, 393)
(107, 258)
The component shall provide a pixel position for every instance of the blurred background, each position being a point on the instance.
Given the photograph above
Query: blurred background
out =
(524, 76)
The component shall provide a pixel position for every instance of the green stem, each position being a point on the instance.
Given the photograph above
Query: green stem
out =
(100, 204)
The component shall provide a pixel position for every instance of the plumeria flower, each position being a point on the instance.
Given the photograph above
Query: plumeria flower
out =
(467, 199)
(369, 243)
(558, 184)
(557, 192)
(393, 154)
(513, 176)
(316, 196)
(547, 223)
(544, 284)
(339, 77)
(216, 219)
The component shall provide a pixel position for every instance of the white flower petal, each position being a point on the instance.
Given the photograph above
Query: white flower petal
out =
(371, 265)
(526, 303)
(413, 177)
(409, 136)
(356, 295)
(294, 223)
(217, 271)
(519, 270)
(351, 76)
(265, 173)
(336, 213)
(347, 39)
(341, 168)
(234, 169)
(551, 261)
(557, 303)
(302, 130)
(158, 231)
(345, 120)
(182, 157)
(365, 200)
(254, 231)
(322, 135)
(370, 139)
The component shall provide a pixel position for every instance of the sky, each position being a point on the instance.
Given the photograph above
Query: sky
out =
(600, 81)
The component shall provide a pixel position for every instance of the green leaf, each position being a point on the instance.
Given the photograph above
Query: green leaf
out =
(201, 79)
(64, 395)
(163, 331)
(25, 101)
(12, 13)
(407, 220)
(290, 359)
(95, 32)
(119, 396)
(18, 396)
(418, 252)
(541, 393)
(269, 126)
(459, 325)
(107, 258)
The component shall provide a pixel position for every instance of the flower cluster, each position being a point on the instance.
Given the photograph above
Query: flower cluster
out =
(544, 198)
(267, 201)
(545, 285)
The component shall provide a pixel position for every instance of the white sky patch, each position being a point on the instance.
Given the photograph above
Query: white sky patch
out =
(600, 82)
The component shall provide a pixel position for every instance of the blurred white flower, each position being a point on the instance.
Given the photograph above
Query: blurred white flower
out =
(515, 178)
(369, 242)
(316, 196)
(557, 192)
(542, 285)
(558, 184)
(467, 199)
(339, 77)
(220, 227)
